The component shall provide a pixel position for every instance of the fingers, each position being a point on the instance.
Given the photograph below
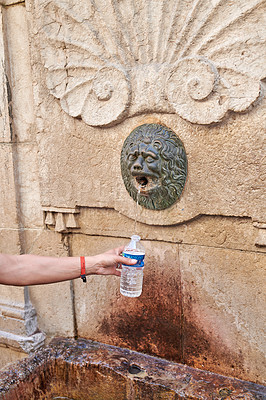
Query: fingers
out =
(124, 260)
(119, 250)
(117, 272)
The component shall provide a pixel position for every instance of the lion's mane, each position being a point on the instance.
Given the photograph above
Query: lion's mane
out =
(174, 165)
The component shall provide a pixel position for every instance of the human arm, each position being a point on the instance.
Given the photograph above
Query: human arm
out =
(28, 269)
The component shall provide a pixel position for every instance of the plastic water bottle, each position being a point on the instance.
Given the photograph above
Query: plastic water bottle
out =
(132, 275)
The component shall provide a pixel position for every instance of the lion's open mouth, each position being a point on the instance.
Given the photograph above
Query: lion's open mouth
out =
(142, 181)
(144, 184)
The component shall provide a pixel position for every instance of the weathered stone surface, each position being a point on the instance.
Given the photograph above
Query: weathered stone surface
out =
(54, 306)
(223, 293)
(8, 208)
(18, 321)
(19, 194)
(12, 315)
(30, 213)
(201, 302)
(10, 355)
(240, 161)
(10, 2)
(150, 323)
(18, 66)
(70, 369)
(62, 220)
(23, 343)
(9, 241)
(114, 61)
(21, 202)
(52, 302)
(200, 305)
(9, 238)
(211, 166)
(232, 233)
(12, 296)
(5, 133)
(24, 149)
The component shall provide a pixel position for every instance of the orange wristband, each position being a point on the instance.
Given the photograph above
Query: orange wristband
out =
(83, 269)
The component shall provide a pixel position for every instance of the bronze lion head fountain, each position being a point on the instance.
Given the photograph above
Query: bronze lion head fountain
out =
(154, 166)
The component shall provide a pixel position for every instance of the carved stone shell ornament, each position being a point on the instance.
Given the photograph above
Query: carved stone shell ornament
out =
(107, 60)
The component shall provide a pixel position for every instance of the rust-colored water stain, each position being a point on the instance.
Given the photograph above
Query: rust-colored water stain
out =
(150, 323)
(202, 351)
(161, 322)
(85, 370)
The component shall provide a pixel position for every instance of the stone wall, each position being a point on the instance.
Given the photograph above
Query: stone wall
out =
(77, 78)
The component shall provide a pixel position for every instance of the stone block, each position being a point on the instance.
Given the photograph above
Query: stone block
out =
(54, 308)
(10, 355)
(223, 293)
(12, 317)
(45, 243)
(53, 303)
(9, 241)
(18, 323)
(150, 323)
(5, 132)
(18, 70)
(12, 295)
(8, 210)
(30, 213)
(211, 231)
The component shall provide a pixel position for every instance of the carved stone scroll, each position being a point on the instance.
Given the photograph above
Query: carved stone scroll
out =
(106, 61)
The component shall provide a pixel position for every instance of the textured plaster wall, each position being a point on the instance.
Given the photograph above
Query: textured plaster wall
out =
(203, 300)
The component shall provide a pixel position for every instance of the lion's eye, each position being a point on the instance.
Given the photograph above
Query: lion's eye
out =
(149, 159)
(157, 144)
(132, 157)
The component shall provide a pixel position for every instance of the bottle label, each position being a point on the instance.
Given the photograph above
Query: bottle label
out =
(139, 257)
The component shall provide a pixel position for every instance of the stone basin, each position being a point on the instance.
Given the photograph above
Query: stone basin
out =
(86, 370)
